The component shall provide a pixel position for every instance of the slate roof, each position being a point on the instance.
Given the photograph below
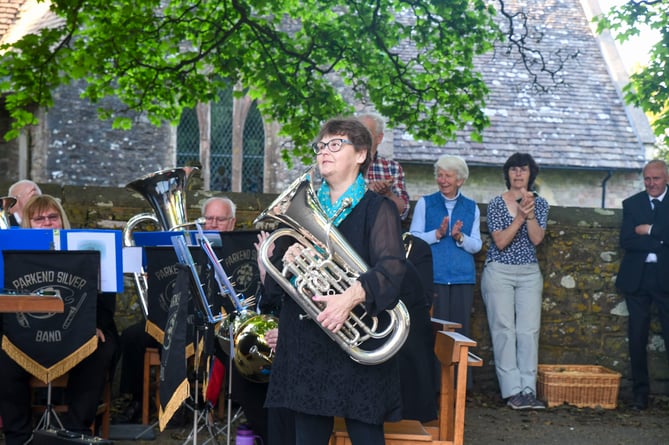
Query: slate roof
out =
(582, 125)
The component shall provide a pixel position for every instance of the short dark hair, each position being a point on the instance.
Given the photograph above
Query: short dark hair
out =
(521, 160)
(355, 131)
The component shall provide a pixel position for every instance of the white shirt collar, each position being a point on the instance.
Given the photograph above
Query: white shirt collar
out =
(660, 198)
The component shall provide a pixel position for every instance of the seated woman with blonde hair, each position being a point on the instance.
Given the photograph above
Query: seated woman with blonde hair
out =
(44, 212)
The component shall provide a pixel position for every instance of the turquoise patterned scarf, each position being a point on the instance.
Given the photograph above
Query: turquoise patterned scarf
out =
(355, 193)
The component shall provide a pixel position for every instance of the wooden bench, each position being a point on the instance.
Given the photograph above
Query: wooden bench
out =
(452, 350)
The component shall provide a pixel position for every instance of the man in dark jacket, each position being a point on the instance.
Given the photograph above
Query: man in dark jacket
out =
(642, 276)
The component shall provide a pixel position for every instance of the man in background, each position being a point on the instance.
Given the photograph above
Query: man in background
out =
(219, 214)
(644, 235)
(22, 191)
(385, 176)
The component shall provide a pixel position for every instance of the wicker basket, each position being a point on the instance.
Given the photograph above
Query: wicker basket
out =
(579, 385)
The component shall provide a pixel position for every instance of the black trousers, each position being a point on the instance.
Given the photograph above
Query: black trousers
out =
(639, 306)
(83, 393)
(316, 430)
(134, 341)
(454, 303)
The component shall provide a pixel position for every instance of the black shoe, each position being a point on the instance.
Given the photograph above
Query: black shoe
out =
(640, 402)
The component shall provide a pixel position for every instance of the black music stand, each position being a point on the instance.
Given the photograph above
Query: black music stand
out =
(45, 421)
(245, 274)
(204, 320)
(231, 418)
(203, 330)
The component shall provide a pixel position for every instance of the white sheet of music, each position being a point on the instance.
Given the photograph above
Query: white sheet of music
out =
(105, 243)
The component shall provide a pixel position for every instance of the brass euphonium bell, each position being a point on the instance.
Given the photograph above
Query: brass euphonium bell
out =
(6, 203)
(252, 354)
(232, 323)
(165, 190)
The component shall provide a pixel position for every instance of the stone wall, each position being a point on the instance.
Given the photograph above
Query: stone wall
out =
(584, 319)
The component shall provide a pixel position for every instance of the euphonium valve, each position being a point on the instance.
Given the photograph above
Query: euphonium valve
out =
(328, 265)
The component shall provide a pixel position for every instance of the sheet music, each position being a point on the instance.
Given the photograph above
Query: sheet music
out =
(105, 243)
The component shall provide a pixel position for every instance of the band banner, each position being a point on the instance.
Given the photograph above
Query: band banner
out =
(161, 269)
(174, 388)
(49, 345)
(239, 258)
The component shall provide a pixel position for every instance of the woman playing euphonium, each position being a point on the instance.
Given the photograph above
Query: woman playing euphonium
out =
(311, 375)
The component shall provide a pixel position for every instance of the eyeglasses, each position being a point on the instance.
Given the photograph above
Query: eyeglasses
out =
(52, 217)
(334, 145)
(218, 219)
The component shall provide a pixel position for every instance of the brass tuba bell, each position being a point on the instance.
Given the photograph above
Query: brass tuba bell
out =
(165, 190)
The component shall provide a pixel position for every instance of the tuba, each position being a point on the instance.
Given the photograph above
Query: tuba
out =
(165, 190)
(328, 265)
(6, 203)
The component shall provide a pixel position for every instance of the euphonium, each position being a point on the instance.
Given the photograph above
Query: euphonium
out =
(328, 265)
(166, 192)
(6, 203)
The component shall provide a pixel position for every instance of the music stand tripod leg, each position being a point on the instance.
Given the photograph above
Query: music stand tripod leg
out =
(49, 412)
(199, 415)
(146, 430)
(227, 428)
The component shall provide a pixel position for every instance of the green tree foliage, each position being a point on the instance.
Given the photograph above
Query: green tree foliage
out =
(411, 59)
(648, 87)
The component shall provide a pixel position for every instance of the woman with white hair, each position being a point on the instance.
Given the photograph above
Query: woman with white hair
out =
(450, 223)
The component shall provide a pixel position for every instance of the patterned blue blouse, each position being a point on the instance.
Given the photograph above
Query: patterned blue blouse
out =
(520, 250)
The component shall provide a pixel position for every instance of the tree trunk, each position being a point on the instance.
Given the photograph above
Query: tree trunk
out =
(272, 156)
(204, 123)
(240, 109)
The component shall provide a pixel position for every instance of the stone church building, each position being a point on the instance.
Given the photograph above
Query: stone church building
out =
(589, 144)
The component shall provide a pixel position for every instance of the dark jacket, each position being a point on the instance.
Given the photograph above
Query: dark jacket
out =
(637, 210)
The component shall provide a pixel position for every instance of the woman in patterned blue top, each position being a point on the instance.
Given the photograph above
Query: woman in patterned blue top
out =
(511, 284)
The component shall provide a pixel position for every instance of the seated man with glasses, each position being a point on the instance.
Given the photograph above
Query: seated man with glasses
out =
(219, 215)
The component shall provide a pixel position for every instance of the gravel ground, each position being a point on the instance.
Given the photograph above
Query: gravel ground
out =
(488, 422)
